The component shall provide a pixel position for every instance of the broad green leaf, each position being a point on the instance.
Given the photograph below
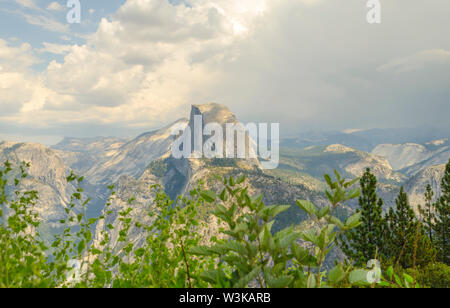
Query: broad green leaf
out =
(336, 274)
(279, 282)
(323, 212)
(208, 195)
(307, 206)
(353, 221)
(336, 221)
(354, 193)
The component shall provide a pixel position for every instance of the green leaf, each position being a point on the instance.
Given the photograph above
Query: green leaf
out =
(208, 195)
(241, 179)
(353, 221)
(398, 280)
(336, 274)
(288, 239)
(268, 226)
(223, 196)
(244, 281)
(139, 252)
(323, 212)
(384, 284)
(310, 236)
(210, 276)
(279, 282)
(390, 272)
(307, 206)
(81, 246)
(409, 281)
(408, 278)
(270, 212)
(354, 193)
(200, 251)
(329, 181)
(336, 221)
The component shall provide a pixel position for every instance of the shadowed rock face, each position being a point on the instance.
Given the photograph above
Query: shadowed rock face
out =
(219, 114)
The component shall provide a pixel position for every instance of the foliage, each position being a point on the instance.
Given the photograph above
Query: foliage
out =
(175, 251)
(252, 256)
(406, 240)
(22, 259)
(427, 212)
(158, 167)
(435, 275)
(442, 223)
(366, 241)
(398, 280)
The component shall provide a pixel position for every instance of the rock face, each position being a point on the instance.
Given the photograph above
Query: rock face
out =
(134, 156)
(47, 175)
(180, 176)
(402, 155)
(82, 154)
(136, 164)
(318, 160)
(379, 166)
(411, 158)
(415, 187)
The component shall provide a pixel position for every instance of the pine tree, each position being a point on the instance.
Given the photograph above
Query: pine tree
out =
(407, 243)
(366, 241)
(427, 212)
(442, 222)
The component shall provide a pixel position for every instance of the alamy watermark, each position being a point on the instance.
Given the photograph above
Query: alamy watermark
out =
(374, 14)
(74, 15)
(374, 274)
(230, 140)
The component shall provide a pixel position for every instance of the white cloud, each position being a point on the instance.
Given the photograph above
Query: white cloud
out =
(301, 62)
(58, 49)
(45, 22)
(55, 6)
(27, 3)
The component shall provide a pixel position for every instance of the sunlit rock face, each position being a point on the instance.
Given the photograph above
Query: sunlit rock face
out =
(47, 175)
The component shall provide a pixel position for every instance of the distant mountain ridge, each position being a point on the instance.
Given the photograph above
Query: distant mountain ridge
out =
(367, 140)
(133, 164)
(411, 158)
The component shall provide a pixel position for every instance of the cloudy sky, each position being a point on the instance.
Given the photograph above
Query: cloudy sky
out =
(134, 65)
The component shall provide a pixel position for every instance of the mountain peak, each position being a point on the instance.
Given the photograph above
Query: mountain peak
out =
(213, 112)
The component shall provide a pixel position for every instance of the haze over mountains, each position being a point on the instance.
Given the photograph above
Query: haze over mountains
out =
(135, 164)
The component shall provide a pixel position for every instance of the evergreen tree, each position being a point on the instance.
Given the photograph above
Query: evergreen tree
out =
(427, 212)
(442, 223)
(407, 242)
(366, 241)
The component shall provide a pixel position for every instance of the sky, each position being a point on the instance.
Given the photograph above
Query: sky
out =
(131, 66)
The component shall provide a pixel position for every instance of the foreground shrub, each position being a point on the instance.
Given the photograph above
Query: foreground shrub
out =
(246, 253)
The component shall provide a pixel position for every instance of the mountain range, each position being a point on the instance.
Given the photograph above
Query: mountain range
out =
(134, 164)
